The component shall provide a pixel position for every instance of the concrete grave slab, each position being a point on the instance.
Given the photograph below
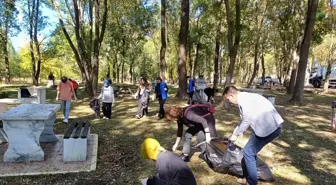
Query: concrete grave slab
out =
(53, 160)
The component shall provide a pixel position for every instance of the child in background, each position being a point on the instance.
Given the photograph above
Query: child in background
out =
(107, 95)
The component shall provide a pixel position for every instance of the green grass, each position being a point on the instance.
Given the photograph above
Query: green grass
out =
(305, 153)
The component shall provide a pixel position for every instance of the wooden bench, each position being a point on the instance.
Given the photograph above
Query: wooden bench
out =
(75, 141)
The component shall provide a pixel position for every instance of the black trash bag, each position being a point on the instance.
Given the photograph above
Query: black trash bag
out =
(225, 157)
(95, 106)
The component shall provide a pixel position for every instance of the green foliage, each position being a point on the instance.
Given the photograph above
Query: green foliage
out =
(133, 37)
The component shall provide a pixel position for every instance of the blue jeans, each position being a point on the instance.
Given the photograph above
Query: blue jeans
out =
(253, 146)
(66, 108)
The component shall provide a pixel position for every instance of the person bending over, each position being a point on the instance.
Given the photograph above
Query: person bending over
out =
(170, 169)
(258, 113)
(199, 120)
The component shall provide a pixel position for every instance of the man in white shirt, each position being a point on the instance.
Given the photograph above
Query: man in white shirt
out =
(259, 114)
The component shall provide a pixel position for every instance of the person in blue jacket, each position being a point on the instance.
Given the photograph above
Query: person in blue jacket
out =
(161, 91)
(191, 88)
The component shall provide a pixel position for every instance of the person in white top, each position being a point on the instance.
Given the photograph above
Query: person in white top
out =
(258, 113)
(107, 95)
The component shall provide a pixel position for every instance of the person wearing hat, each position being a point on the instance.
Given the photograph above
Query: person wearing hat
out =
(200, 122)
(170, 169)
(107, 96)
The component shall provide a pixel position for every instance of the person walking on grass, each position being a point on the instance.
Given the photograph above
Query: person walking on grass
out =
(107, 96)
(161, 91)
(65, 92)
(147, 90)
(258, 113)
(170, 169)
(143, 98)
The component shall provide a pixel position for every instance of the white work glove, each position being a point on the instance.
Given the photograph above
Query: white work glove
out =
(144, 181)
(56, 98)
(174, 147)
(233, 137)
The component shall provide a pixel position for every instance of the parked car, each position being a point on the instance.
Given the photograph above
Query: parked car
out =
(268, 80)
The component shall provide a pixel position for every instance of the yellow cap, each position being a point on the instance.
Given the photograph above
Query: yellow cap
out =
(150, 149)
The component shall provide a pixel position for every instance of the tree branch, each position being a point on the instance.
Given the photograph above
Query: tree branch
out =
(101, 37)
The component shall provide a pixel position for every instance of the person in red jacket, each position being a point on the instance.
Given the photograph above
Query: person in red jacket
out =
(74, 84)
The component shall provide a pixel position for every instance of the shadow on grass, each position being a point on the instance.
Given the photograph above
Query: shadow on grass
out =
(299, 156)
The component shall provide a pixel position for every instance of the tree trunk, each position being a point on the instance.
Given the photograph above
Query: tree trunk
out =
(88, 65)
(233, 38)
(196, 59)
(220, 68)
(215, 83)
(108, 69)
(190, 61)
(114, 70)
(131, 72)
(256, 65)
(296, 57)
(327, 76)
(304, 51)
(263, 69)
(122, 70)
(31, 14)
(183, 45)
(163, 65)
(331, 51)
(37, 46)
(118, 73)
(5, 50)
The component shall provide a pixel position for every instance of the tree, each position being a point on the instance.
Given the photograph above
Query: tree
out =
(183, 44)
(217, 48)
(36, 23)
(304, 51)
(163, 65)
(88, 44)
(233, 36)
(8, 23)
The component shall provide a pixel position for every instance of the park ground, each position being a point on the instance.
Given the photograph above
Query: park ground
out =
(304, 154)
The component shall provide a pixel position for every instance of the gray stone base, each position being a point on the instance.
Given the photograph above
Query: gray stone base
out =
(53, 160)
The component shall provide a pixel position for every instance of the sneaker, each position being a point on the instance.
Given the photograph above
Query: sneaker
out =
(104, 117)
(137, 116)
(145, 116)
(185, 158)
(65, 121)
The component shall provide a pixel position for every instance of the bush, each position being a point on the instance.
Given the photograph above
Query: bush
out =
(4, 95)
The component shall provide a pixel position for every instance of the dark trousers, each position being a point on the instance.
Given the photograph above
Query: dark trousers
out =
(145, 110)
(107, 109)
(161, 111)
(253, 146)
(190, 97)
(192, 131)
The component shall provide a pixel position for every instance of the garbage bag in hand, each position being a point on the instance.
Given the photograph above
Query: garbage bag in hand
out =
(95, 106)
(225, 157)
